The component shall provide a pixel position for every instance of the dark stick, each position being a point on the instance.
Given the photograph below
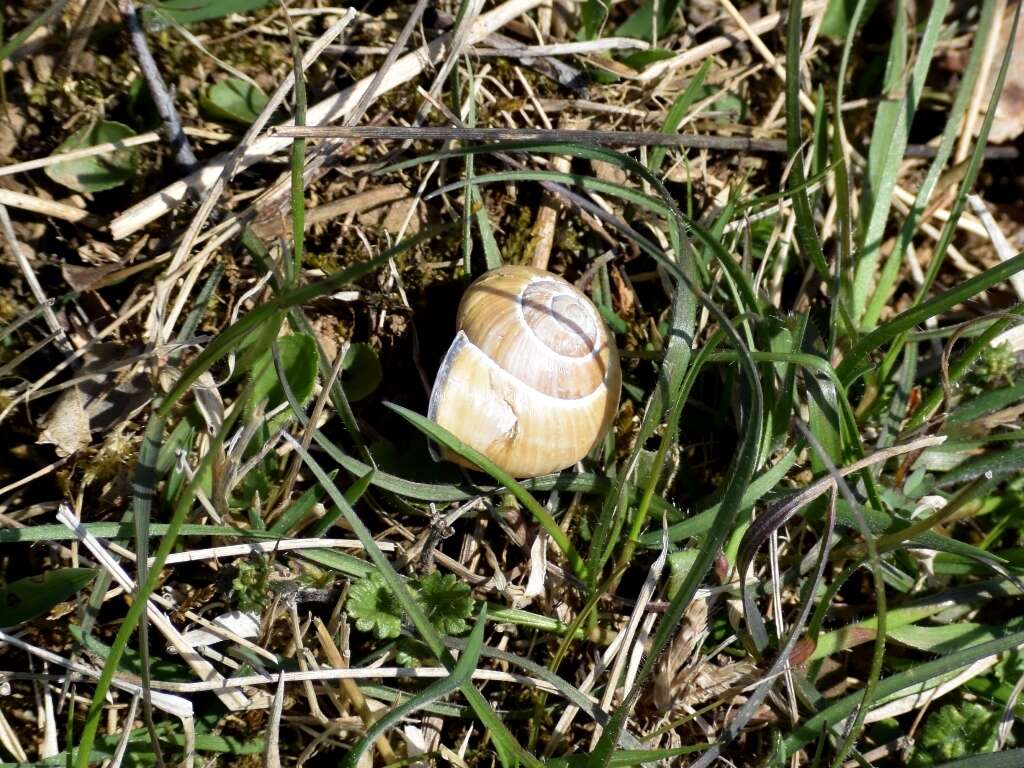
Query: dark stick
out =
(620, 138)
(158, 88)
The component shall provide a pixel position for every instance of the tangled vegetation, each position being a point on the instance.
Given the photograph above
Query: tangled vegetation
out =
(225, 539)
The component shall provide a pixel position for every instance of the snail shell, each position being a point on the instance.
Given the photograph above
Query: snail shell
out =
(532, 380)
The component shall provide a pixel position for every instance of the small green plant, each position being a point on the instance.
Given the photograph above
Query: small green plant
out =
(250, 584)
(374, 608)
(445, 600)
(996, 365)
(954, 732)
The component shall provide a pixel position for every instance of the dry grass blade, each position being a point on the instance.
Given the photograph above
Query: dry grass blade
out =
(333, 108)
(610, 138)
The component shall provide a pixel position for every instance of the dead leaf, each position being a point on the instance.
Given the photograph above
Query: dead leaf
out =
(114, 393)
(1008, 123)
(609, 172)
(12, 132)
(624, 296)
(66, 424)
(396, 215)
(84, 279)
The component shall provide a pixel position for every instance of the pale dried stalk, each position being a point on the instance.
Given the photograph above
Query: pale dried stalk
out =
(272, 755)
(460, 133)
(981, 92)
(233, 700)
(924, 693)
(45, 207)
(351, 690)
(267, 547)
(102, 149)
(966, 222)
(33, 282)
(563, 49)
(34, 476)
(721, 43)
(331, 109)
(626, 648)
(129, 726)
(629, 632)
(362, 673)
(1002, 246)
(9, 738)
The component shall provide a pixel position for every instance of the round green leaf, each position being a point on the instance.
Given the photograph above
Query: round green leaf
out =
(235, 100)
(300, 360)
(99, 172)
(361, 373)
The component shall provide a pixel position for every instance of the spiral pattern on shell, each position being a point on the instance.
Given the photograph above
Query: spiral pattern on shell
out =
(532, 379)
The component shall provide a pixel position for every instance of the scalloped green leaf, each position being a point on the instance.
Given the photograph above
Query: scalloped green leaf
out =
(447, 602)
(374, 607)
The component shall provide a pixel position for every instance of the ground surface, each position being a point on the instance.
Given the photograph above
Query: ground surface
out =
(814, 299)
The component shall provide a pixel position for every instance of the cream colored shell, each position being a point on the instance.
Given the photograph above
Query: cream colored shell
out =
(532, 380)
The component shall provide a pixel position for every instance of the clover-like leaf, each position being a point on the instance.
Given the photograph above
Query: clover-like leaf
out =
(447, 602)
(374, 607)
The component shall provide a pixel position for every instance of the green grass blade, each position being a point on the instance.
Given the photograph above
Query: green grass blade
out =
(461, 675)
(885, 153)
(676, 113)
(835, 713)
(851, 367)
(806, 232)
(442, 436)
(894, 143)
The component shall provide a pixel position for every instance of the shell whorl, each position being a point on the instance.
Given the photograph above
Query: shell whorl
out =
(532, 379)
(540, 329)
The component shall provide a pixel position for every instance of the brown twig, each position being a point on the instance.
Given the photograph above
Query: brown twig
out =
(605, 138)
